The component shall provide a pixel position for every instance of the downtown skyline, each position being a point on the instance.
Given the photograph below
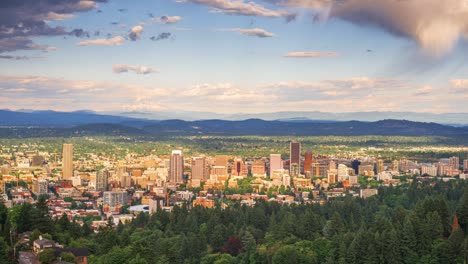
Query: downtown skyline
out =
(234, 56)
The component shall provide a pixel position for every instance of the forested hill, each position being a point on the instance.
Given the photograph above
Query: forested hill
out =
(246, 127)
(279, 128)
(420, 222)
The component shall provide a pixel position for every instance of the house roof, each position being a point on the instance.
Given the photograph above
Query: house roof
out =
(77, 252)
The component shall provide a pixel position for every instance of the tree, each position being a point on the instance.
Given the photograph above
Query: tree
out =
(3, 217)
(4, 251)
(47, 256)
(232, 246)
(68, 257)
(462, 211)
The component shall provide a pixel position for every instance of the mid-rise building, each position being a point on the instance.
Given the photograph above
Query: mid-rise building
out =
(342, 172)
(258, 169)
(366, 169)
(200, 169)
(430, 170)
(454, 162)
(102, 180)
(239, 168)
(115, 198)
(40, 186)
(275, 163)
(222, 160)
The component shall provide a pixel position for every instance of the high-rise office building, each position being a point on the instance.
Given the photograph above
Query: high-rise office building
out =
(258, 168)
(308, 161)
(221, 160)
(275, 163)
(294, 156)
(200, 169)
(115, 198)
(465, 165)
(454, 162)
(102, 180)
(380, 166)
(342, 172)
(67, 161)
(239, 168)
(176, 169)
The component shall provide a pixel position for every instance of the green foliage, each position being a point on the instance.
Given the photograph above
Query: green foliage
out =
(410, 223)
(47, 256)
(68, 257)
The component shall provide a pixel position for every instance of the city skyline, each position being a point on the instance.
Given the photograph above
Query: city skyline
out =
(234, 56)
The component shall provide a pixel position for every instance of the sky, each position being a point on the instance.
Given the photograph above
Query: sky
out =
(234, 56)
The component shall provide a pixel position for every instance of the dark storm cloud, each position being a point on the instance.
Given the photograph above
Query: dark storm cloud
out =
(164, 35)
(79, 33)
(20, 20)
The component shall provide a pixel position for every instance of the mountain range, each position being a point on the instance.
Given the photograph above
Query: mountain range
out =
(50, 118)
(83, 123)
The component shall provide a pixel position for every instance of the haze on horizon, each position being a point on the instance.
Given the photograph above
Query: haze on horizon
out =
(229, 56)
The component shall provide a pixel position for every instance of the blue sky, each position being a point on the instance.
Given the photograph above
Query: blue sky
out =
(218, 57)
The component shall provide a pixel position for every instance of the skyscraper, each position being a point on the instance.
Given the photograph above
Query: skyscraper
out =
(199, 168)
(275, 163)
(67, 161)
(454, 162)
(307, 161)
(380, 166)
(465, 165)
(294, 156)
(239, 168)
(176, 169)
(102, 180)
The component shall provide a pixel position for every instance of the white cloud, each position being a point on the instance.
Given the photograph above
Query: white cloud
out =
(115, 41)
(40, 92)
(135, 33)
(168, 19)
(310, 54)
(52, 16)
(459, 85)
(120, 68)
(254, 32)
(239, 7)
(426, 90)
(436, 25)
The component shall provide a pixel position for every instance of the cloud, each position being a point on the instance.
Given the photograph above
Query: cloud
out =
(9, 57)
(21, 43)
(164, 35)
(135, 33)
(310, 54)
(459, 85)
(79, 33)
(225, 92)
(254, 32)
(168, 19)
(426, 90)
(115, 41)
(121, 68)
(240, 7)
(41, 92)
(435, 25)
(22, 20)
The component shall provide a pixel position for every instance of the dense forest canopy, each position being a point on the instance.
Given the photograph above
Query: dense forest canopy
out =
(412, 223)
